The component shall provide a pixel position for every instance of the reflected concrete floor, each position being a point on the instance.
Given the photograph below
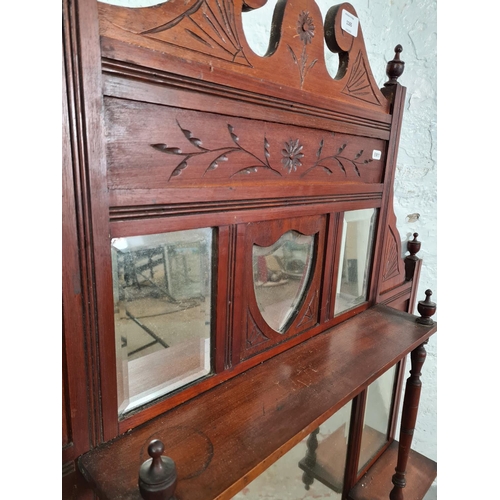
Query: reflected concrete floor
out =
(283, 481)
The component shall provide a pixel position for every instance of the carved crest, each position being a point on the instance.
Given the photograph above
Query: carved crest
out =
(210, 32)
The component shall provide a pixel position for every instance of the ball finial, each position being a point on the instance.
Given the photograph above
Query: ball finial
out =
(155, 449)
(158, 474)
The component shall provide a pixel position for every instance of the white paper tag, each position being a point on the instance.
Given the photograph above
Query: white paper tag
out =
(376, 155)
(349, 23)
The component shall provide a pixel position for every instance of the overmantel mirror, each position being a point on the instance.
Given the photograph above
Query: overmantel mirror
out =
(234, 287)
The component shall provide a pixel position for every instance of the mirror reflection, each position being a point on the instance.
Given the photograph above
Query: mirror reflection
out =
(162, 299)
(358, 231)
(281, 274)
(314, 468)
(377, 416)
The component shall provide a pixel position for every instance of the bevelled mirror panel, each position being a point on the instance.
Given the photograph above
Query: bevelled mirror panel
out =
(281, 275)
(162, 297)
(377, 416)
(358, 233)
(314, 468)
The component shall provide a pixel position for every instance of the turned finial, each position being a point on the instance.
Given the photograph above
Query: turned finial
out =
(158, 474)
(395, 67)
(413, 246)
(411, 260)
(426, 308)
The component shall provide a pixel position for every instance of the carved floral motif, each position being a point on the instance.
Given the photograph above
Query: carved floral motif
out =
(305, 27)
(292, 156)
(305, 30)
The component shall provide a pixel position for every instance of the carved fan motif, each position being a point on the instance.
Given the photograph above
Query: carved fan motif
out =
(211, 29)
(391, 257)
(359, 84)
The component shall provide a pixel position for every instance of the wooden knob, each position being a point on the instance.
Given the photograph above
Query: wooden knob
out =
(158, 474)
(426, 308)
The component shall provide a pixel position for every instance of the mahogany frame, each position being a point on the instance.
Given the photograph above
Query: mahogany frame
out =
(130, 84)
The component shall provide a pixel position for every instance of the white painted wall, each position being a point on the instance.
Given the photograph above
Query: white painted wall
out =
(413, 24)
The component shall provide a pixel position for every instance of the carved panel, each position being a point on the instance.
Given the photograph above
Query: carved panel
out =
(210, 33)
(391, 257)
(310, 315)
(359, 84)
(253, 335)
(258, 335)
(152, 146)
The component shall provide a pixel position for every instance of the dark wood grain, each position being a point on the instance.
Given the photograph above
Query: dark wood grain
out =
(295, 60)
(171, 123)
(408, 420)
(291, 394)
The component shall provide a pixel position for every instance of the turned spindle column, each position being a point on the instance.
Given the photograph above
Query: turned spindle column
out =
(310, 458)
(411, 401)
(157, 475)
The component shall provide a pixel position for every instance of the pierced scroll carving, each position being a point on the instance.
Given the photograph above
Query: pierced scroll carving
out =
(392, 258)
(210, 32)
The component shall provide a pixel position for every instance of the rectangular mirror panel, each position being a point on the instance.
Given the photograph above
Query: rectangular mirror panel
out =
(162, 298)
(314, 468)
(358, 231)
(377, 416)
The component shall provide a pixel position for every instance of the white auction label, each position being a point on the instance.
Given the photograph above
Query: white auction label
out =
(349, 23)
(376, 155)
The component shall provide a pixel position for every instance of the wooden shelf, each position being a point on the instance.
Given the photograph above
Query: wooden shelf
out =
(376, 484)
(225, 437)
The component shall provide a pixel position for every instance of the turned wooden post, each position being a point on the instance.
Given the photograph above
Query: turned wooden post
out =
(408, 420)
(157, 475)
(310, 458)
(411, 260)
(426, 308)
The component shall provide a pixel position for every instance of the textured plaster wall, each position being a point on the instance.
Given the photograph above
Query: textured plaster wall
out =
(413, 24)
